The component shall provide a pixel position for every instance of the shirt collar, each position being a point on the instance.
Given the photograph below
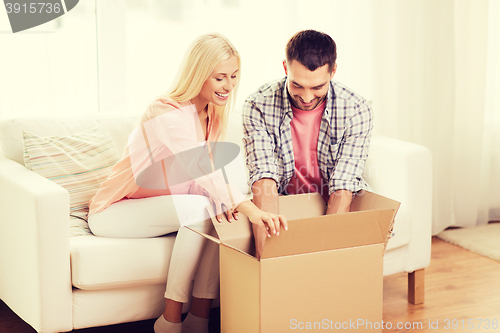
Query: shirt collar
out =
(330, 99)
(287, 107)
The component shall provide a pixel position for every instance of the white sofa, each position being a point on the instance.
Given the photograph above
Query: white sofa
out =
(57, 282)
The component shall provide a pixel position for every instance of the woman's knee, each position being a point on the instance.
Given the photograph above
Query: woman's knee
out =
(192, 210)
(95, 226)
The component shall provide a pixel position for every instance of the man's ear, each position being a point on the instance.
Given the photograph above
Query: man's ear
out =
(333, 71)
(284, 67)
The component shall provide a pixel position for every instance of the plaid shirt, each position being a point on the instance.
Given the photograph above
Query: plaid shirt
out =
(343, 142)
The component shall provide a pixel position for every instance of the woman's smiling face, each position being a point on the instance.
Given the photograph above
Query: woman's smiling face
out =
(221, 82)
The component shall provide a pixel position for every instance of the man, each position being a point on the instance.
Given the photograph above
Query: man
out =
(306, 133)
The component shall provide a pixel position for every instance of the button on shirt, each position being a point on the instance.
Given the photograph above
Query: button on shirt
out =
(343, 140)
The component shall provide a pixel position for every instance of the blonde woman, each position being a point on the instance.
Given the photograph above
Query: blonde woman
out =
(135, 201)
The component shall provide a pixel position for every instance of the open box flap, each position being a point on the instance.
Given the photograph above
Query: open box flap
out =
(330, 232)
(212, 238)
(237, 234)
(293, 207)
(365, 200)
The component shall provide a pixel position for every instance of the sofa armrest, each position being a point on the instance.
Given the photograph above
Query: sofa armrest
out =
(35, 279)
(403, 171)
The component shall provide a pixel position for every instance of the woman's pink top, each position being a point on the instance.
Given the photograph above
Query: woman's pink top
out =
(167, 128)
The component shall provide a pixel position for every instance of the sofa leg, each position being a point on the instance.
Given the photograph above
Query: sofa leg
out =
(416, 286)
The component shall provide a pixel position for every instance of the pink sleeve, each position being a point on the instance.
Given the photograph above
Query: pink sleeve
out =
(170, 138)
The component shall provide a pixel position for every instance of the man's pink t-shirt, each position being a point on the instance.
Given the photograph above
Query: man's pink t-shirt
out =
(307, 177)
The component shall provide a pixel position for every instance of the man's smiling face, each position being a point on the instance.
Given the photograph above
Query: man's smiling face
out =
(307, 89)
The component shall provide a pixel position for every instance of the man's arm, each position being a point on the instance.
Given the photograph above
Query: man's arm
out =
(265, 197)
(258, 143)
(352, 154)
(339, 202)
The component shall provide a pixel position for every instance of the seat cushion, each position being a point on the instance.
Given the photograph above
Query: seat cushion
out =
(99, 263)
(102, 263)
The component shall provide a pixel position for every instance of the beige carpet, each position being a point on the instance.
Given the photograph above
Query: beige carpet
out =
(483, 240)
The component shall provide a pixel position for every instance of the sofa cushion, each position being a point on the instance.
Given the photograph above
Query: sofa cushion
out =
(79, 163)
(102, 263)
(401, 233)
(237, 172)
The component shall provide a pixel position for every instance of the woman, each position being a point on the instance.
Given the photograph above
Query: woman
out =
(193, 113)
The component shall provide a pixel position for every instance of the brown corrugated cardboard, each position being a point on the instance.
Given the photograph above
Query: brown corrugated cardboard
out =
(324, 273)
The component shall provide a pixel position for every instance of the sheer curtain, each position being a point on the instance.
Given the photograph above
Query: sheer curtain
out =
(492, 108)
(141, 43)
(436, 76)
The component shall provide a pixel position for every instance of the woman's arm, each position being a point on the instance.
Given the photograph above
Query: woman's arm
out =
(174, 126)
(262, 221)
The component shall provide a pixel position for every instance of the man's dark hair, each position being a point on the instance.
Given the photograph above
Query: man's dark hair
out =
(313, 49)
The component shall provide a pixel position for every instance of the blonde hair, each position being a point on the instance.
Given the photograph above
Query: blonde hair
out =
(204, 54)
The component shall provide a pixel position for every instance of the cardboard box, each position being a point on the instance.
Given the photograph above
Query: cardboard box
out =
(324, 273)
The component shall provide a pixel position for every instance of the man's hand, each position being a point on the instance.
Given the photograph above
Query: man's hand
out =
(265, 197)
(339, 202)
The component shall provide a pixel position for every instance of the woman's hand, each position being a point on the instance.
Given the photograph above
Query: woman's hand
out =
(220, 208)
(271, 222)
(263, 220)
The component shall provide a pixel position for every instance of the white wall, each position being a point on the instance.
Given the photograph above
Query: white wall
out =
(121, 58)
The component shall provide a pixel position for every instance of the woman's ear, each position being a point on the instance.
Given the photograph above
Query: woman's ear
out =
(284, 67)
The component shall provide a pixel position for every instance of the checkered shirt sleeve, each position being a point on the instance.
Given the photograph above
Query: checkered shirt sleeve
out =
(259, 141)
(351, 128)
